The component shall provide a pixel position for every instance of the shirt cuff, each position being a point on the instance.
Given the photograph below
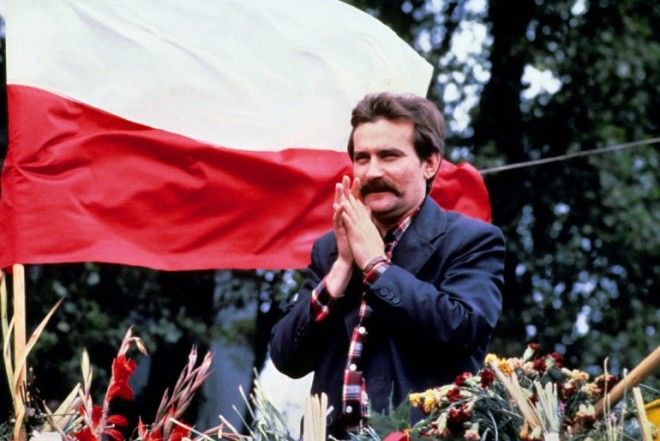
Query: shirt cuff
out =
(374, 272)
(321, 302)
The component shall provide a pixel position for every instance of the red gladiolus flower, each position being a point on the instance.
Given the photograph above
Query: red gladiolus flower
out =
(122, 370)
(146, 435)
(110, 430)
(114, 434)
(178, 433)
(85, 434)
(534, 346)
(487, 378)
(97, 411)
(118, 420)
(460, 379)
(397, 436)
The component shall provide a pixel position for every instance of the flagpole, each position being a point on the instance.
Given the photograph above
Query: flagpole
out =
(18, 273)
(647, 366)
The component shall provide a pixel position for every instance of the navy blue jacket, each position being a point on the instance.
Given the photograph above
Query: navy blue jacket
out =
(435, 309)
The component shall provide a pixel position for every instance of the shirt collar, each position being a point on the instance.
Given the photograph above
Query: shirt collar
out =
(395, 233)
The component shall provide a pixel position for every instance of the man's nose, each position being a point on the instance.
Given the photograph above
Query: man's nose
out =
(374, 169)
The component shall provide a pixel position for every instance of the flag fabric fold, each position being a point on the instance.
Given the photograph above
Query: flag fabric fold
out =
(204, 136)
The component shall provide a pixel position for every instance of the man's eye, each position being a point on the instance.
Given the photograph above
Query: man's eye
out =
(389, 156)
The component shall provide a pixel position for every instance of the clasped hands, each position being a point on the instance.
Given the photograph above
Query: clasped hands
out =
(358, 238)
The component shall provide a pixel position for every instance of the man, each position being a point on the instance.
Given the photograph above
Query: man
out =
(401, 296)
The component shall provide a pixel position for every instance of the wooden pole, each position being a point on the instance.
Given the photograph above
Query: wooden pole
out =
(648, 366)
(18, 273)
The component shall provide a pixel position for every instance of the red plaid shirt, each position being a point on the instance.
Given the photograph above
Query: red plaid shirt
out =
(354, 392)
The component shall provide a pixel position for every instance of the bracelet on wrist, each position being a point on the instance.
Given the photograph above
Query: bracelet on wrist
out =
(373, 262)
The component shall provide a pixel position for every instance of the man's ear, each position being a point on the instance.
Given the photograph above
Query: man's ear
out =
(431, 165)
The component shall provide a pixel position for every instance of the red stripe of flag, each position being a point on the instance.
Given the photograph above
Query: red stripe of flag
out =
(80, 184)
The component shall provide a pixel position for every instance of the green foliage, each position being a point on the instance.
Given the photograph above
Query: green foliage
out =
(393, 419)
(6, 430)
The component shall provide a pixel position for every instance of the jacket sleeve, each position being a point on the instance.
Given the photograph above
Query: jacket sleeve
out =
(297, 340)
(459, 304)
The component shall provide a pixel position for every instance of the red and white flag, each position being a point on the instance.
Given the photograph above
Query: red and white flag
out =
(188, 135)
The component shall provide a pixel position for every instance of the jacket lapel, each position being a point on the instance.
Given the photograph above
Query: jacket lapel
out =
(416, 245)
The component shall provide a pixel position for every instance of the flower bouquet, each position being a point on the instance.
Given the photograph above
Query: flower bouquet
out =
(531, 398)
(78, 418)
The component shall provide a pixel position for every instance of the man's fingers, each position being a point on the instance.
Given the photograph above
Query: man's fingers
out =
(347, 221)
(338, 192)
(337, 211)
(355, 188)
(346, 207)
(345, 185)
(357, 205)
(356, 209)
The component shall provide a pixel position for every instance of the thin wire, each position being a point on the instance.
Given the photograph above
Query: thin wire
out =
(598, 151)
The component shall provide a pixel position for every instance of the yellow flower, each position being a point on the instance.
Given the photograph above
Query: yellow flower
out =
(415, 399)
(427, 400)
(505, 367)
(501, 363)
(430, 401)
(491, 358)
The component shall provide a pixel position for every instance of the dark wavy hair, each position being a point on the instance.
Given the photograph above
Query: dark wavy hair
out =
(428, 123)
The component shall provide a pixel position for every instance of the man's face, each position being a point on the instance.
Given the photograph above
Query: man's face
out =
(393, 177)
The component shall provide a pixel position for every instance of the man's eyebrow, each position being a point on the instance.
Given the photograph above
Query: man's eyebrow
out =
(380, 152)
(390, 151)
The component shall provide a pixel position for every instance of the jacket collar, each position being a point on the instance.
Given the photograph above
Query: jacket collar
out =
(415, 247)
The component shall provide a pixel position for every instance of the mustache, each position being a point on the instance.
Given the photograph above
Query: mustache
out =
(377, 186)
